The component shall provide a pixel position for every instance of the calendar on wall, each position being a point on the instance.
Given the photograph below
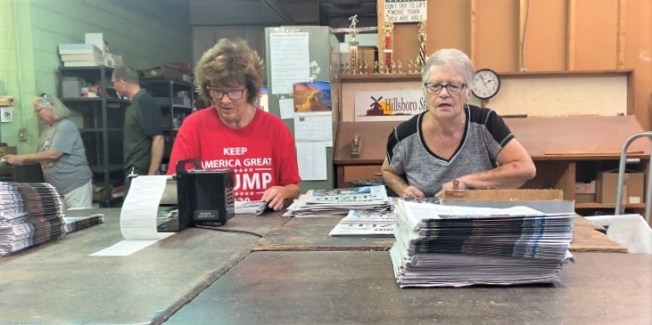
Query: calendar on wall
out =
(314, 126)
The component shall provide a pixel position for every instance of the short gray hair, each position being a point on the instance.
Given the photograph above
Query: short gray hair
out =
(59, 110)
(450, 59)
(126, 73)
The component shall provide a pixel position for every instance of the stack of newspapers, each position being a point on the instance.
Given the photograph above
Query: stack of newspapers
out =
(30, 214)
(366, 223)
(453, 246)
(255, 208)
(340, 201)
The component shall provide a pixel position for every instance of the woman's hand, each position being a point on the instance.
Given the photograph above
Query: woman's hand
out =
(411, 192)
(14, 159)
(274, 196)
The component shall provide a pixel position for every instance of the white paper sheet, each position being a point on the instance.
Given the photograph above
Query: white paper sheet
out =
(289, 60)
(128, 247)
(315, 126)
(311, 158)
(138, 216)
(286, 106)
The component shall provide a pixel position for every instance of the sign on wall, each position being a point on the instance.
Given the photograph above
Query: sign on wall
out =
(405, 11)
(388, 105)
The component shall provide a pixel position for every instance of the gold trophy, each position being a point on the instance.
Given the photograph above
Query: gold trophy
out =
(388, 26)
(353, 44)
(421, 58)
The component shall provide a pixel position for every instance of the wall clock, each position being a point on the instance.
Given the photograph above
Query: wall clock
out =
(486, 84)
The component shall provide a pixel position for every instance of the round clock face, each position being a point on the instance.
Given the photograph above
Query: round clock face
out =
(486, 84)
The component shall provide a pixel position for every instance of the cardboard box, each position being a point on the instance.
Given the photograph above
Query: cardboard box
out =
(8, 151)
(633, 188)
(162, 72)
(585, 188)
(584, 197)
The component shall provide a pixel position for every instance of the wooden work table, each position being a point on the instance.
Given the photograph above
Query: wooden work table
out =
(355, 287)
(59, 282)
(311, 234)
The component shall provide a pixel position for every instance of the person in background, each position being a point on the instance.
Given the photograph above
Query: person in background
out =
(61, 154)
(234, 134)
(143, 133)
(453, 143)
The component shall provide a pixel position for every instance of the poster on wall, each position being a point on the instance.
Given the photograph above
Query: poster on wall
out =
(405, 11)
(289, 56)
(388, 105)
(312, 96)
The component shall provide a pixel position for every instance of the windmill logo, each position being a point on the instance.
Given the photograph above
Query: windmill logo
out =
(379, 107)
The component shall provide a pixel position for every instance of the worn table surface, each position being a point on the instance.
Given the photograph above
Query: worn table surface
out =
(306, 234)
(311, 233)
(59, 282)
(354, 287)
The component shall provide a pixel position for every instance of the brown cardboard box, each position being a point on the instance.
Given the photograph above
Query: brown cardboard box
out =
(8, 151)
(633, 189)
(162, 72)
(584, 197)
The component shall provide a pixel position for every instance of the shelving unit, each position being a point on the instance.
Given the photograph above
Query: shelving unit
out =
(176, 99)
(100, 119)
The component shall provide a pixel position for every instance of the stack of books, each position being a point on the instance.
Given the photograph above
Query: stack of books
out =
(340, 201)
(81, 55)
(30, 214)
(453, 246)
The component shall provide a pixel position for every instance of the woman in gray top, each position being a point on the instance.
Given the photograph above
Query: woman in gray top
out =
(61, 153)
(453, 142)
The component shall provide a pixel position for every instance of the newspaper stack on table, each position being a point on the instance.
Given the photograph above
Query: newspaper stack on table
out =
(453, 246)
(250, 207)
(30, 214)
(340, 201)
(366, 223)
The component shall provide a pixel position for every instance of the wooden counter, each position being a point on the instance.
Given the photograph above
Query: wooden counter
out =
(311, 234)
(356, 287)
(59, 283)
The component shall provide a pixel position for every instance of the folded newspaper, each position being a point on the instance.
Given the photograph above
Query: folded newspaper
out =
(250, 207)
(365, 223)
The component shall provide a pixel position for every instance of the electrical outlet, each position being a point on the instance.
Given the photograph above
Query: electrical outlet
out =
(22, 135)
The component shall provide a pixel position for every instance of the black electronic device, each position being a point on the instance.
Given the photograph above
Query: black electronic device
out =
(27, 173)
(204, 196)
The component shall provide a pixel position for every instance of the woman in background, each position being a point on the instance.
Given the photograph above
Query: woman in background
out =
(61, 153)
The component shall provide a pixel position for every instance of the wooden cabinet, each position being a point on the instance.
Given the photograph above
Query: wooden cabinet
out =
(563, 148)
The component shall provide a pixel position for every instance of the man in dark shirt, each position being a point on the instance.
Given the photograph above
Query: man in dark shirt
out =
(143, 134)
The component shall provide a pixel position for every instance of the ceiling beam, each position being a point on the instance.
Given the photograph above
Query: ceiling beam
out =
(273, 6)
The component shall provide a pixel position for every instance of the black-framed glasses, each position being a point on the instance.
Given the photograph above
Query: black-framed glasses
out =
(218, 94)
(452, 88)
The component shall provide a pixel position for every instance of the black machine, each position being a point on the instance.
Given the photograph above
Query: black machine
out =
(205, 197)
(28, 173)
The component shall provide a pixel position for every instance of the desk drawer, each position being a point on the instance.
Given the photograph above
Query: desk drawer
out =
(352, 173)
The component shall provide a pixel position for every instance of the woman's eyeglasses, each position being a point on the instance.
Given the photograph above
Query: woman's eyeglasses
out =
(452, 88)
(218, 94)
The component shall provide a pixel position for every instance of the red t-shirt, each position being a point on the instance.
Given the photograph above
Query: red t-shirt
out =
(261, 155)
